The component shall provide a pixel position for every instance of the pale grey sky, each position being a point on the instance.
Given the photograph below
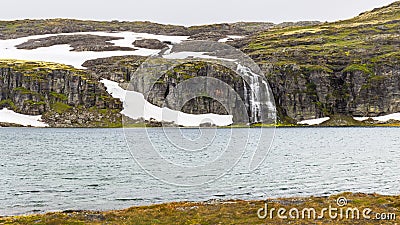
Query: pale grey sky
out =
(189, 12)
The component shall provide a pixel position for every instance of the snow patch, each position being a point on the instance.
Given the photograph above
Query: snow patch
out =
(137, 107)
(62, 53)
(230, 37)
(314, 121)
(9, 116)
(394, 116)
(186, 55)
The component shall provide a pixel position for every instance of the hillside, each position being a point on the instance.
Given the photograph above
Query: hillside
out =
(348, 67)
(342, 69)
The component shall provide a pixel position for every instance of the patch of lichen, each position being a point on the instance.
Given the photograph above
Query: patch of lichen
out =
(24, 91)
(307, 69)
(58, 96)
(34, 103)
(366, 69)
(8, 103)
(60, 107)
(188, 70)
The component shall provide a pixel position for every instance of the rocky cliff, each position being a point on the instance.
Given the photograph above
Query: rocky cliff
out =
(203, 104)
(66, 97)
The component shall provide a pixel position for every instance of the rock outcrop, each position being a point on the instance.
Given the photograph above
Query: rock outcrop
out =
(150, 44)
(66, 97)
(78, 43)
(117, 68)
(208, 36)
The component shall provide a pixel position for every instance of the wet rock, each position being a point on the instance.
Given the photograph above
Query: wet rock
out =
(207, 125)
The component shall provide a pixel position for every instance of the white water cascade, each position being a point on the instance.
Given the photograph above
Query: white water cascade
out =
(259, 98)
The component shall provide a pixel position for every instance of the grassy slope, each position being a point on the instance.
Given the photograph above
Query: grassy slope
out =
(37, 68)
(370, 39)
(220, 212)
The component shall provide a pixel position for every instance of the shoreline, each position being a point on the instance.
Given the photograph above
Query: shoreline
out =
(223, 211)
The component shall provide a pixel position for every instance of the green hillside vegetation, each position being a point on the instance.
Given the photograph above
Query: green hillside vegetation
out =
(360, 43)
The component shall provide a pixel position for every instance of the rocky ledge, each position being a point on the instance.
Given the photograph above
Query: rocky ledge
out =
(208, 36)
(78, 43)
(9, 125)
(150, 44)
(65, 96)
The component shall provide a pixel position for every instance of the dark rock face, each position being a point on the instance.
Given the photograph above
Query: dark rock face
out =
(117, 68)
(150, 44)
(204, 105)
(164, 93)
(79, 43)
(306, 95)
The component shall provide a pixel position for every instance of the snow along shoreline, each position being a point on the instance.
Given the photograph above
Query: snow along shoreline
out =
(382, 119)
(9, 116)
(386, 118)
(314, 121)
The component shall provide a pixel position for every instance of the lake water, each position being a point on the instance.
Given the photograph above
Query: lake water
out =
(46, 170)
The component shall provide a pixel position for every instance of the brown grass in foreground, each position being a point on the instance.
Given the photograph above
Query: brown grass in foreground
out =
(225, 212)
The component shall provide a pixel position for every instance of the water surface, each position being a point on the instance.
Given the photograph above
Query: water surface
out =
(44, 170)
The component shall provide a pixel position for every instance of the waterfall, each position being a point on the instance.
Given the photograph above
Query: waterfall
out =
(258, 99)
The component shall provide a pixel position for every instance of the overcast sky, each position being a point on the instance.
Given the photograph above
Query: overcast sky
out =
(189, 12)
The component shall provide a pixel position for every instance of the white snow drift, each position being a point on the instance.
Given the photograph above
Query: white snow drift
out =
(394, 116)
(9, 116)
(229, 38)
(62, 53)
(136, 107)
(314, 121)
